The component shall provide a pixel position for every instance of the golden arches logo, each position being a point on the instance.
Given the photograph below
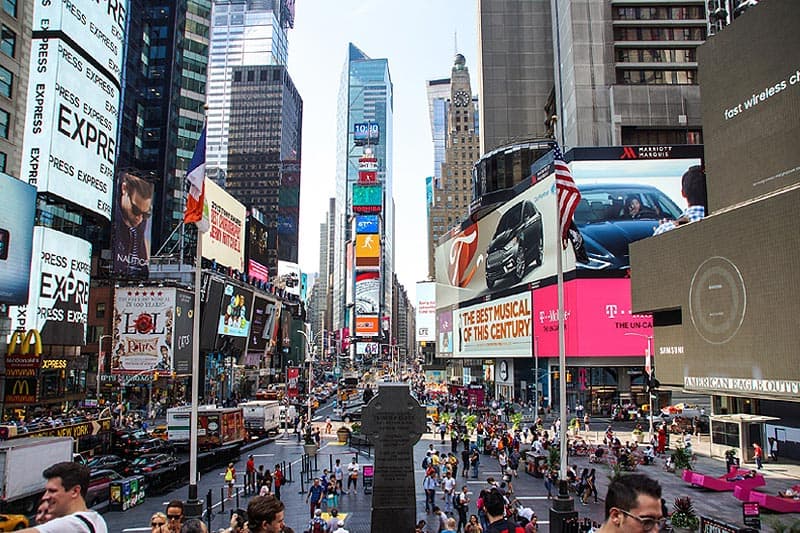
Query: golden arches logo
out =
(21, 388)
(25, 343)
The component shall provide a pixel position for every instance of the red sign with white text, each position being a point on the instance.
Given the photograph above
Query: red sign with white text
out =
(597, 316)
(292, 379)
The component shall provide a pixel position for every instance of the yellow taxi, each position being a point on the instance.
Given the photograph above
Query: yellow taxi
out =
(12, 522)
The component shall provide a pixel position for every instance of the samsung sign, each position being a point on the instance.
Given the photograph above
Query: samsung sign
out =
(367, 224)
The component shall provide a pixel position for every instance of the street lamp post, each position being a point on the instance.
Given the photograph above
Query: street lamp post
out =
(648, 371)
(310, 361)
(100, 357)
(286, 412)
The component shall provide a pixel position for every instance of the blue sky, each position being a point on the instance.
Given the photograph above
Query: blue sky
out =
(417, 37)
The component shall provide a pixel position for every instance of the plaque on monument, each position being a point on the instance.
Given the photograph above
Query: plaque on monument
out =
(393, 421)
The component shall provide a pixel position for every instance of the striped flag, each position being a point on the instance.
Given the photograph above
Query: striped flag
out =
(567, 191)
(195, 175)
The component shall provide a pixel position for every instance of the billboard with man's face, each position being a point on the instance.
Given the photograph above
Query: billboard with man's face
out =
(133, 209)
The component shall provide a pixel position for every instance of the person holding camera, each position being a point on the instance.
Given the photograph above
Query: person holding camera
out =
(238, 521)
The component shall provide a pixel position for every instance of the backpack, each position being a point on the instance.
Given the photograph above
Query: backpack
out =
(317, 527)
(425, 462)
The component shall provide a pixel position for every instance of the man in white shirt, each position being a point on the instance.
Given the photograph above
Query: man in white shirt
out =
(64, 496)
(352, 479)
(448, 487)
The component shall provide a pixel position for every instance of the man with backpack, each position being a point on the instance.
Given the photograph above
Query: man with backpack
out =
(494, 505)
(318, 524)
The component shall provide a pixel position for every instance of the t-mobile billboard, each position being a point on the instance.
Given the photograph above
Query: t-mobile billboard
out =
(598, 319)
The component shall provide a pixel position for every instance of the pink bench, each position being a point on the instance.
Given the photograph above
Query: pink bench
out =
(721, 484)
(767, 501)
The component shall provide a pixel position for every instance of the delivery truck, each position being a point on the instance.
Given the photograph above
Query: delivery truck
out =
(216, 426)
(22, 462)
(261, 417)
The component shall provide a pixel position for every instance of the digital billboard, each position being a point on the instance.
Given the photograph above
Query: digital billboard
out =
(224, 241)
(367, 348)
(366, 133)
(144, 324)
(58, 297)
(258, 244)
(234, 318)
(98, 30)
(288, 277)
(69, 147)
(444, 331)
(257, 343)
(211, 298)
(750, 100)
(368, 292)
(501, 327)
(16, 239)
(598, 319)
(368, 251)
(367, 224)
(426, 311)
(133, 210)
(184, 323)
(367, 198)
(367, 326)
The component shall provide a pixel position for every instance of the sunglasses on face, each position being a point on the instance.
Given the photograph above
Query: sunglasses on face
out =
(648, 523)
(174, 517)
(157, 524)
(140, 213)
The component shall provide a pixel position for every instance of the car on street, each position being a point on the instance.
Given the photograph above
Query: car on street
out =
(108, 462)
(12, 522)
(99, 486)
(125, 441)
(150, 463)
(352, 412)
(518, 242)
(156, 445)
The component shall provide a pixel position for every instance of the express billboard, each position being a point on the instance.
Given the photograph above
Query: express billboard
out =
(500, 327)
(368, 292)
(69, 147)
(598, 319)
(133, 209)
(16, 239)
(289, 277)
(58, 297)
(234, 318)
(98, 30)
(144, 324)
(426, 311)
(224, 241)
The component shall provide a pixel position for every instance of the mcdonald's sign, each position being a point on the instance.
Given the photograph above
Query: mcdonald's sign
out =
(24, 349)
(21, 390)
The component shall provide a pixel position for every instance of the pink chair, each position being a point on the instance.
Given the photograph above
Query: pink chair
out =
(721, 484)
(767, 501)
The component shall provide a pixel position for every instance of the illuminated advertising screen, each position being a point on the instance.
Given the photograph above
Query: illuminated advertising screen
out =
(133, 209)
(97, 30)
(69, 147)
(368, 292)
(182, 345)
(234, 318)
(367, 198)
(349, 260)
(16, 239)
(288, 277)
(211, 298)
(750, 100)
(599, 320)
(58, 296)
(367, 326)
(257, 342)
(258, 244)
(501, 327)
(224, 241)
(426, 311)
(367, 348)
(368, 251)
(144, 322)
(366, 133)
(444, 331)
(367, 224)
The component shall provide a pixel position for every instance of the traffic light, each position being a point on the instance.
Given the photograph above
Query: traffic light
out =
(652, 384)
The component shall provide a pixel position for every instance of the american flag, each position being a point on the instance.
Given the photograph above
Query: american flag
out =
(567, 191)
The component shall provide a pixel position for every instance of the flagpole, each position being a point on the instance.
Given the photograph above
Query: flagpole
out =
(192, 500)
(562, 356)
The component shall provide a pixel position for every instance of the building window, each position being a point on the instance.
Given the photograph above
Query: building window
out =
(6, 79)
(9, 42)
(5, 119)
(10, 7)
(100, 310)
(3, 157)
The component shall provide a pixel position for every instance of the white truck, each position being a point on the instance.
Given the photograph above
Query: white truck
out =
(22, 461)
(261, 417)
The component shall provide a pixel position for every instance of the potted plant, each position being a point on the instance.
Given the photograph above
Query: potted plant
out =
(343, 433)
(638, 434)
(516, 421)
(683, 517)
(309, 445)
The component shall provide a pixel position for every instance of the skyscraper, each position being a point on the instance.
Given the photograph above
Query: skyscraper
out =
(454, 125)
(164, 91)
(365, 97)
(243, 33)
(265, 129)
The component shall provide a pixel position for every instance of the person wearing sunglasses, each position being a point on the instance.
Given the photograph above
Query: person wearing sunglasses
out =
(132, 212)
(158, 523)
(633, 505)
(174, 516)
